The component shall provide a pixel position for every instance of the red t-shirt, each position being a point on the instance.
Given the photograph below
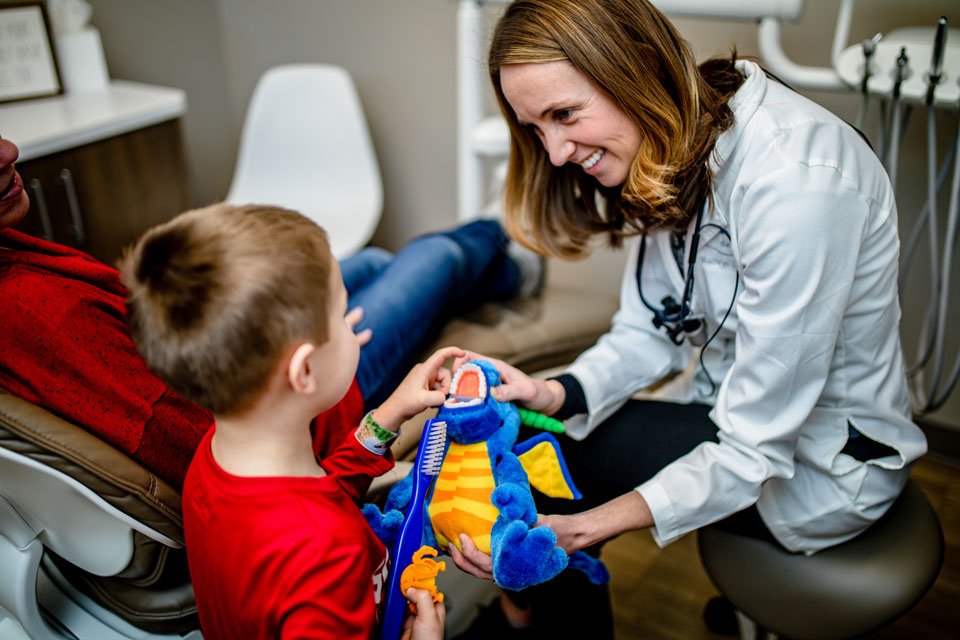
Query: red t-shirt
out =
(283, 557)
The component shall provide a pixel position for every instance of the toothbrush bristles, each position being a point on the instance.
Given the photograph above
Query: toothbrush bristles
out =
(433, 452)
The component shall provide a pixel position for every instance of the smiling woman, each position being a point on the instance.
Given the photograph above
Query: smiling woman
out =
(792, 424)
(627, 72)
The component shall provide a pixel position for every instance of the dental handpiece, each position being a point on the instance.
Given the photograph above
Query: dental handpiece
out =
(869, 47)
(936, 60)
(894, 126)
(901, 73)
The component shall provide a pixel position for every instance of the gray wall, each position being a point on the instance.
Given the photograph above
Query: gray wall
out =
(401, 54)
(178, 43)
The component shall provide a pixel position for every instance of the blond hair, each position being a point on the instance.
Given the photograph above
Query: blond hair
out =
(636, 57)
(217, 294)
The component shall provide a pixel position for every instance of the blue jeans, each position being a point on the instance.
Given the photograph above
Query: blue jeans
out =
(408, 297)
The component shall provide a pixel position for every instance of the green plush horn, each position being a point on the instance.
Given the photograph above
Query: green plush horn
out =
(540, 421)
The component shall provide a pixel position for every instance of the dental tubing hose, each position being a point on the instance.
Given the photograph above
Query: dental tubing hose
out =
(895, 126)
(936, 401)
(932, 343)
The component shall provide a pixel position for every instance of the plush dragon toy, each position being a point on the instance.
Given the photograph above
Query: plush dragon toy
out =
(483, 488)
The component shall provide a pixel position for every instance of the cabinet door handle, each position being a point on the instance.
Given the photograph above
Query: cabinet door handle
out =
(36, 189)
(79, 230)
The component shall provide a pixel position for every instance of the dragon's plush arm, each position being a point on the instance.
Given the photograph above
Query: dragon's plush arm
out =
(512, 495)
(386, 524)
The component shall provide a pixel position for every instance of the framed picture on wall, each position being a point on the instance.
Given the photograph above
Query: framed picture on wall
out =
(28, 66)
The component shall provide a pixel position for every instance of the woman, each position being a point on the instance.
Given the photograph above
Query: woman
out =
(761, 233)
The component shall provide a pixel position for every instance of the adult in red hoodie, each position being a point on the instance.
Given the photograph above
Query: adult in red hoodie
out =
(64, 343)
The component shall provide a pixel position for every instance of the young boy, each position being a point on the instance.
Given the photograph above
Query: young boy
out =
(242, 311)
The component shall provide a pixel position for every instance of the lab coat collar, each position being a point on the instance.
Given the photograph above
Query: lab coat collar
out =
(744, 105)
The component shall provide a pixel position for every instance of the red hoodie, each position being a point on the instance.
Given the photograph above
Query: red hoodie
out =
(64, 346)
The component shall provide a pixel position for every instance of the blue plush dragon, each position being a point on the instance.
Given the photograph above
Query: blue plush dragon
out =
(483, 488)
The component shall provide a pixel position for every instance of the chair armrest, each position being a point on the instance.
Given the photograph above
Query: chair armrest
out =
(33, 432)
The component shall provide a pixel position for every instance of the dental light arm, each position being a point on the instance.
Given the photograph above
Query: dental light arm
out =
(733, 9)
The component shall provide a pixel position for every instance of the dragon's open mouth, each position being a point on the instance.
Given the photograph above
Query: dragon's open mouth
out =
(468, 387)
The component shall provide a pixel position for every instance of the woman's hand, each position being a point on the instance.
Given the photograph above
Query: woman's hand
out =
(628, 512)
(570, 536)
(427, 385)
(471, 560)
(428, 623)
(545, 396)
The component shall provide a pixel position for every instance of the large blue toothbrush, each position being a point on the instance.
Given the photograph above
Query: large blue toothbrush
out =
(427, 464)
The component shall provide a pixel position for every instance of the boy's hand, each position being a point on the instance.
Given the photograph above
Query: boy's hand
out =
(425, 386)
(430, 618)
(545, 396)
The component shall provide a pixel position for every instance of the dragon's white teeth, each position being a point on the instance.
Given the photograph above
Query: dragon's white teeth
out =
(455, 401)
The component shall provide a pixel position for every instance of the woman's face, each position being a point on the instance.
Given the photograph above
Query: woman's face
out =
(13, 199)
(574, 120)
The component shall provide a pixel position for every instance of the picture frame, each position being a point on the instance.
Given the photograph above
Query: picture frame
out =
(28, 62)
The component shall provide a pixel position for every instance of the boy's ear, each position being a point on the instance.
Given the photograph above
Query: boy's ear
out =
(301, 369)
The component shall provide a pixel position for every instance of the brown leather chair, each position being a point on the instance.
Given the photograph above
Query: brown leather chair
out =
(845, 591)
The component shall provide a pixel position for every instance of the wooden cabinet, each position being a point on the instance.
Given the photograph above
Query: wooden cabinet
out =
(99, 197)
(100, 166)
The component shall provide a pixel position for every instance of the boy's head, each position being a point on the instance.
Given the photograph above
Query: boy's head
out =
(218, 295)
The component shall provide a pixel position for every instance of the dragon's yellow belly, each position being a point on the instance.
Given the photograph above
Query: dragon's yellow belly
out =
(461, 497)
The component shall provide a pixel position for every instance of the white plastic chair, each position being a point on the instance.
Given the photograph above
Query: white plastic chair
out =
(305, 146)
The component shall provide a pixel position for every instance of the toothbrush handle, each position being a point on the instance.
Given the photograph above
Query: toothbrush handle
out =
(409, 540)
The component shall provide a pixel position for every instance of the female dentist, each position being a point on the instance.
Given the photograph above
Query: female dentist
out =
(762, 243)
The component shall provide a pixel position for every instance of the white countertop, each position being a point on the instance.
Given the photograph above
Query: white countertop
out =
(47, 125)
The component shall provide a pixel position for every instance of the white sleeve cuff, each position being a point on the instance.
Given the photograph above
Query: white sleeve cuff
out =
(664, 530)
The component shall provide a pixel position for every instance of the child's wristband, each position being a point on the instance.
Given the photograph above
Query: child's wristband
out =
(373, 437)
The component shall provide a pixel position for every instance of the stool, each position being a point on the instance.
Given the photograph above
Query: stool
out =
(847, 590)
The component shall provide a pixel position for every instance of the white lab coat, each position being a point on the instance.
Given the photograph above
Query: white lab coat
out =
(811, 343)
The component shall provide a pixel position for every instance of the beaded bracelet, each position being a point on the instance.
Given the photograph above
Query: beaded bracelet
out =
(373, 437)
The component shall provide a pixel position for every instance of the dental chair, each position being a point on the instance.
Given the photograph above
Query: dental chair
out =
(91, 543)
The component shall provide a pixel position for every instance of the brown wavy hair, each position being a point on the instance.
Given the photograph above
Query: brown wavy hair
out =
(636, 57)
